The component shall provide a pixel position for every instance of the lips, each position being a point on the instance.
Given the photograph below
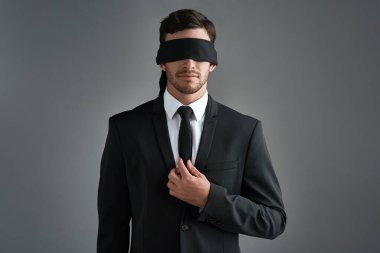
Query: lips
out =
(188, 75)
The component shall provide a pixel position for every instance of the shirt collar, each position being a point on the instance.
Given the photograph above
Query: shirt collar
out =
(171, 105)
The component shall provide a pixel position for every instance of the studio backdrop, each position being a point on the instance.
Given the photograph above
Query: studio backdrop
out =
(309, 70)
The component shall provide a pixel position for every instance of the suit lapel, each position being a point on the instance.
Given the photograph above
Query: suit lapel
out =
(207, 134)
(162, 134)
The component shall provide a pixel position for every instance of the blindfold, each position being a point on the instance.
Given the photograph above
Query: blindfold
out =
(189, 48)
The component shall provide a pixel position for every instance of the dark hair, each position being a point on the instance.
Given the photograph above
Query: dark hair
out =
(186, 19)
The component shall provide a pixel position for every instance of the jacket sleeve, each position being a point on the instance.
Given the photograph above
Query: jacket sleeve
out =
(113, 199)
(258, 210)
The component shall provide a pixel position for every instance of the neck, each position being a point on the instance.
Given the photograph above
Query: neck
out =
(187, 99)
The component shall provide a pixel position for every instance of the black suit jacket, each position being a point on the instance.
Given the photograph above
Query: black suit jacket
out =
(245, 196)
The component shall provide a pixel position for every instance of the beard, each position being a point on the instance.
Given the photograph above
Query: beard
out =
(187, 86)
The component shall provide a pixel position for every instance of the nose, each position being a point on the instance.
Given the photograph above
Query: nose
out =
(189, 63)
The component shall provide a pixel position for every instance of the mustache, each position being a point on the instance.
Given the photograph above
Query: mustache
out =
(187, 72)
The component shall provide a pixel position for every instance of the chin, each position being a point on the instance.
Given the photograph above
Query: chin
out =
(189, 90)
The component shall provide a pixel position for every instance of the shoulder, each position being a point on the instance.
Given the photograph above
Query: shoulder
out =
(234, 117)
(236, 124)
(133, 118)
(137, 112)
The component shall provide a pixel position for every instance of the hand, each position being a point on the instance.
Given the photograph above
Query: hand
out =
(188, 184)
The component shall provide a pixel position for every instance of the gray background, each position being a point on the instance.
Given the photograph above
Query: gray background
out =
(308, 69)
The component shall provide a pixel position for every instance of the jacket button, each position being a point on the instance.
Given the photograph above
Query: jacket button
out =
(184, 227)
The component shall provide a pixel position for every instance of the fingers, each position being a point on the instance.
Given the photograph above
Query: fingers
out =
(182, 169)
(172, 188)
(171, 185)
(193, 171)
(173, 175)
(173, 178)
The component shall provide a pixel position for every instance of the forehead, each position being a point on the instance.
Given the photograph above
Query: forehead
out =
(196, 33)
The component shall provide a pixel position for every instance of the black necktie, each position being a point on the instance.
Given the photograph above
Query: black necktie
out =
(185, 136)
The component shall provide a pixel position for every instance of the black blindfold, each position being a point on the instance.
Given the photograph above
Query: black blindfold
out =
(189, 48)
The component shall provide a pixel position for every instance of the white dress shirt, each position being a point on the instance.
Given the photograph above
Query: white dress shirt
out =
(171, 105)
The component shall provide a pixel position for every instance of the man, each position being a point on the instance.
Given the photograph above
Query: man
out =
(189, 172)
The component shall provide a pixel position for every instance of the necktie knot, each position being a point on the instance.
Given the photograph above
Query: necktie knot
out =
(185, 112)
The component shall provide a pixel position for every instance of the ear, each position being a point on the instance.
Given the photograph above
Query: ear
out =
(162, 66)
(212, 67)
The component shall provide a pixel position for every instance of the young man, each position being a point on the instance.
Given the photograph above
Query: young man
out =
(189, 172)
